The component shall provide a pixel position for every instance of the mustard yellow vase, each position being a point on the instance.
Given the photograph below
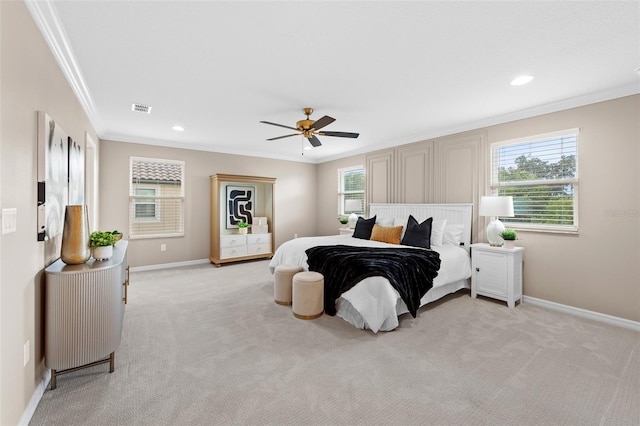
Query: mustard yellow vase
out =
(75, 236)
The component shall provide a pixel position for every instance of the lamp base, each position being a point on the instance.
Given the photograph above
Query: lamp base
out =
(494, 231)
(353, 219)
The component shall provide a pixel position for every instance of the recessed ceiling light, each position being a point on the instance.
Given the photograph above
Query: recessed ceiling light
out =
(523, 79)
(307, 148)
(178, 128)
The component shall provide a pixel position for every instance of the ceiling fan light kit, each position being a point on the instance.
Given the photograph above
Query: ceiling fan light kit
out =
(310, 128)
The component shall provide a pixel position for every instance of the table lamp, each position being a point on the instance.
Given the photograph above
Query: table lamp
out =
(496, 207)
(352, 206)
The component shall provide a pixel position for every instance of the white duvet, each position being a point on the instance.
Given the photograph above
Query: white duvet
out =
(373, 303)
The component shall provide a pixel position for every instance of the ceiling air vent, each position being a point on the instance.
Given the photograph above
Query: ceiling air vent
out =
(141, 108)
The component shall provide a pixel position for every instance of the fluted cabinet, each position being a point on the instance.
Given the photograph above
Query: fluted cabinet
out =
(84, 312)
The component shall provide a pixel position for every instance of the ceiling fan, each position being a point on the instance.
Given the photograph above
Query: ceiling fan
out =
(310, 128)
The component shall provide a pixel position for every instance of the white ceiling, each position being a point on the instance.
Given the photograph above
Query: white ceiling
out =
(395, 72)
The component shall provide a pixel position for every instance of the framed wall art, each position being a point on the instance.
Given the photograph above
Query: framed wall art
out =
(240, 204)
(60, 181)
(53, 169)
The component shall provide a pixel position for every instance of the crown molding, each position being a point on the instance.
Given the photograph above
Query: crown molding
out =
(44, 14)
(560, 105)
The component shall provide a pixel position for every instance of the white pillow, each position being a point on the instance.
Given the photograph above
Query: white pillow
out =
(453, 235)
(437, 231)
(384, 221)
(401, 222)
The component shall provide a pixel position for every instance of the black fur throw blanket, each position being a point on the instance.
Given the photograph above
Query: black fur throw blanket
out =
(410, 271)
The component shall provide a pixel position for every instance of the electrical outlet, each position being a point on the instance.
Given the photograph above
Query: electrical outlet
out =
(163, 247)
(27, 352)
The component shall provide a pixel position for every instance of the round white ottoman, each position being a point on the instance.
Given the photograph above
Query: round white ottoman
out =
(283, 278)
(308, 295)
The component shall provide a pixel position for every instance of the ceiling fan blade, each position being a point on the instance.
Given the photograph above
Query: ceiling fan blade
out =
(324, 121)
(282, 137)
(340, 134)
(279, 125)
(314, 141)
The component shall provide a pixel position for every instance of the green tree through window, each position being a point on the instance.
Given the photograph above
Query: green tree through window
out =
(351, 187)
(540, 174)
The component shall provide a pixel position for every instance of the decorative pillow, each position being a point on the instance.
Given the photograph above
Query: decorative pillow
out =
(386, 234)
(384, 221)
(437, 232)
(400, 221)
(453, 234)
(364, 227)
(417, 235)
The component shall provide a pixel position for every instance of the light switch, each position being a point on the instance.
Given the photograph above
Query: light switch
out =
(9, 218)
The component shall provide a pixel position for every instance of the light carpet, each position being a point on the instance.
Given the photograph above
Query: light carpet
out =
(204, 345)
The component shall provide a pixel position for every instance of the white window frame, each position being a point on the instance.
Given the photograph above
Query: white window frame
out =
(132, 199)
(342, 192)
(494, 185)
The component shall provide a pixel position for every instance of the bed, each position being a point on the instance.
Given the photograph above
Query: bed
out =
(373, 303)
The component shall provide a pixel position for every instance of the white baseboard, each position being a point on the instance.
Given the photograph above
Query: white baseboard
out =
(35, 399)
(596, 316)
(169, 265)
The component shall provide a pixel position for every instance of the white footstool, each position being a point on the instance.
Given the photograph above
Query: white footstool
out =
(283, 279)
(308, 295)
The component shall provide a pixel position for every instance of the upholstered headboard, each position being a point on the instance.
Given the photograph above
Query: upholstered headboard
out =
(456, 214)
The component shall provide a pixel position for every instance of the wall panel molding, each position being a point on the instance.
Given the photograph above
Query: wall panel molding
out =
(414, 173)
(460, 172)
(380, 177)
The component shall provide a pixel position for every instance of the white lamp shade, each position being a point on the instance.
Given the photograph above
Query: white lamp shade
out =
(352, 206)
(496, 206)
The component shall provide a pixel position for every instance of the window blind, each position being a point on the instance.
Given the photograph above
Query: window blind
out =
(351, 187)
(541, 175)
(156, 198)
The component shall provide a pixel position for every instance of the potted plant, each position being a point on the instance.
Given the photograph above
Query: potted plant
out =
(509, 236)
(343, 219)
(117, 234)
(242, 227)
(101, 243)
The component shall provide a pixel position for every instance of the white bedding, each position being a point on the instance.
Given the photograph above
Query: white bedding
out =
(374, 303)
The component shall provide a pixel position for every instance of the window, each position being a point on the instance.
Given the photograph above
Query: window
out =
(156, 198)
(351, 191)
(146, 208)
(541, 173)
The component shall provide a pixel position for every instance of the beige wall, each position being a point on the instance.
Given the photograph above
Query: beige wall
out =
(327, 192)
(295, 199)
(30, 81)
(597, 270)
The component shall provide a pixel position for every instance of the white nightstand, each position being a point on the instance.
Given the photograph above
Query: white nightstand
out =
(346, 231)
(497, 272)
